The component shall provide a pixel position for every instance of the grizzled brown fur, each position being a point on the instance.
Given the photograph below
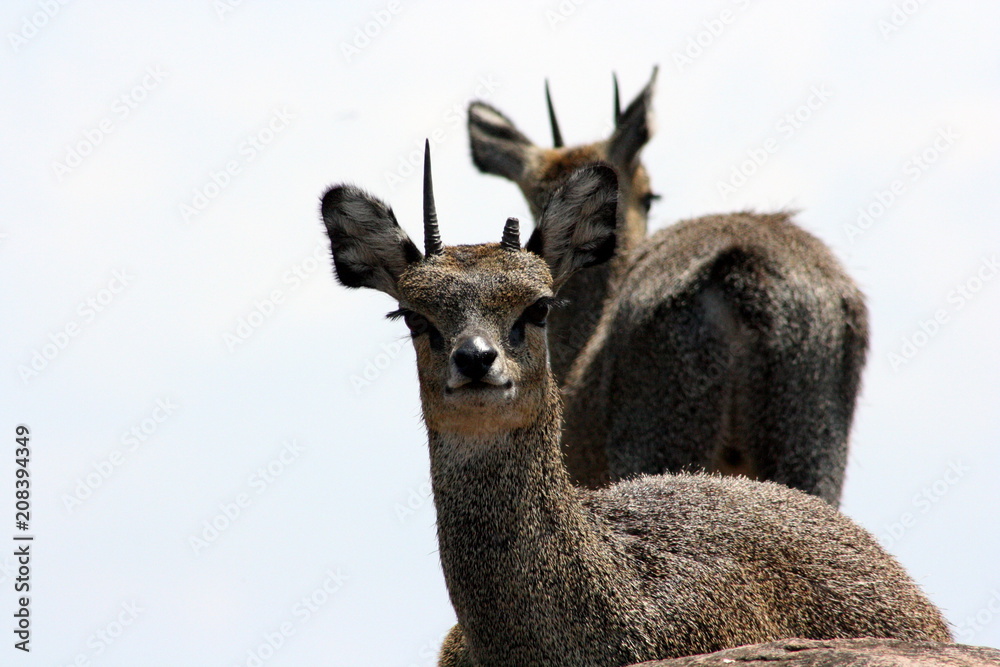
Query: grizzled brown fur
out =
(542, 572)
(728, 343)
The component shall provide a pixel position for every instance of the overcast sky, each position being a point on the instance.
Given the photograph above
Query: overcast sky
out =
(227, 460)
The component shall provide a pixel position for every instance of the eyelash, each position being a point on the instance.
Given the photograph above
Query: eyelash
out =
(418, 325)
(648, 199)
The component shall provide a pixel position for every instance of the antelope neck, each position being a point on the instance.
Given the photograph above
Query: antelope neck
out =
(510, 526)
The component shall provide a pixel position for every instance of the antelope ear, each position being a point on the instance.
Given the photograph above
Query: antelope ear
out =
(369, 247)
(634, 127)
(577, 227)
(498, 147)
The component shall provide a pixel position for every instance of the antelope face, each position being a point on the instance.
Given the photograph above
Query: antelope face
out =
(477, 317)
(499, 148)
(554, 166)
(476, 313)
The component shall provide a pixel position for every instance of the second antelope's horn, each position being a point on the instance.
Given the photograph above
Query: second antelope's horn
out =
(557, 139)
(618, 102)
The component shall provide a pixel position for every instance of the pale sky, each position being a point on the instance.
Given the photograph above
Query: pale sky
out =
(227, 459)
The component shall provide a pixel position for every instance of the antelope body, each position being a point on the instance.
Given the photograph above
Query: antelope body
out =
(728, 343)
(542, 572)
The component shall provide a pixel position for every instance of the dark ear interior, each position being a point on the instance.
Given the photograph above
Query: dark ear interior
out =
(369, 247)
(577, 228)
(535, 243)
(498, 147)
(634, 128)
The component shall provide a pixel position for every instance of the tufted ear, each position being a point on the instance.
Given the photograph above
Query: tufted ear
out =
(369, 247)
(498, 147)
(577, 227)
(634, 127)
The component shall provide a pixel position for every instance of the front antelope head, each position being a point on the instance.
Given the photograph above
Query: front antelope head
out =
(476, 313)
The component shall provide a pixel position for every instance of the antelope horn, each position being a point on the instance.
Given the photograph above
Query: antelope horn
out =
(432, 237)
(511, 235)
(556, 135)
(618, 102)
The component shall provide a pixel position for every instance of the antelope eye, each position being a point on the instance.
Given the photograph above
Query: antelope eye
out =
(416, 322)
(537, 312)
(419, 325)
(534, 314)
(647, 200)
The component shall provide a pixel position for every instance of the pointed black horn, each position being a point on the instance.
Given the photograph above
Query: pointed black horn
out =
(511, 235)
(557, 140)
(432, 237)
(618, 101)
(652, 78)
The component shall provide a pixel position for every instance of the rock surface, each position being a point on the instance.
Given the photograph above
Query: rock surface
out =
(841, 652)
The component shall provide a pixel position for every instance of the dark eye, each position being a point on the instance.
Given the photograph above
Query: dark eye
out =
(419, 325)
(537, 312)
(647, 200)
(416, 322)
(534, 314)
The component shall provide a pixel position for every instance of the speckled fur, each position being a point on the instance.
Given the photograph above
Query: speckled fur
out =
(542, 572)
(727, 343)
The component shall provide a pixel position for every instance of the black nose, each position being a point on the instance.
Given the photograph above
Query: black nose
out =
(474, 357)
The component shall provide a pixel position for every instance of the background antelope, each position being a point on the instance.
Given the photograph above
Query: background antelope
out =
(730, 343)
(541, 572)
